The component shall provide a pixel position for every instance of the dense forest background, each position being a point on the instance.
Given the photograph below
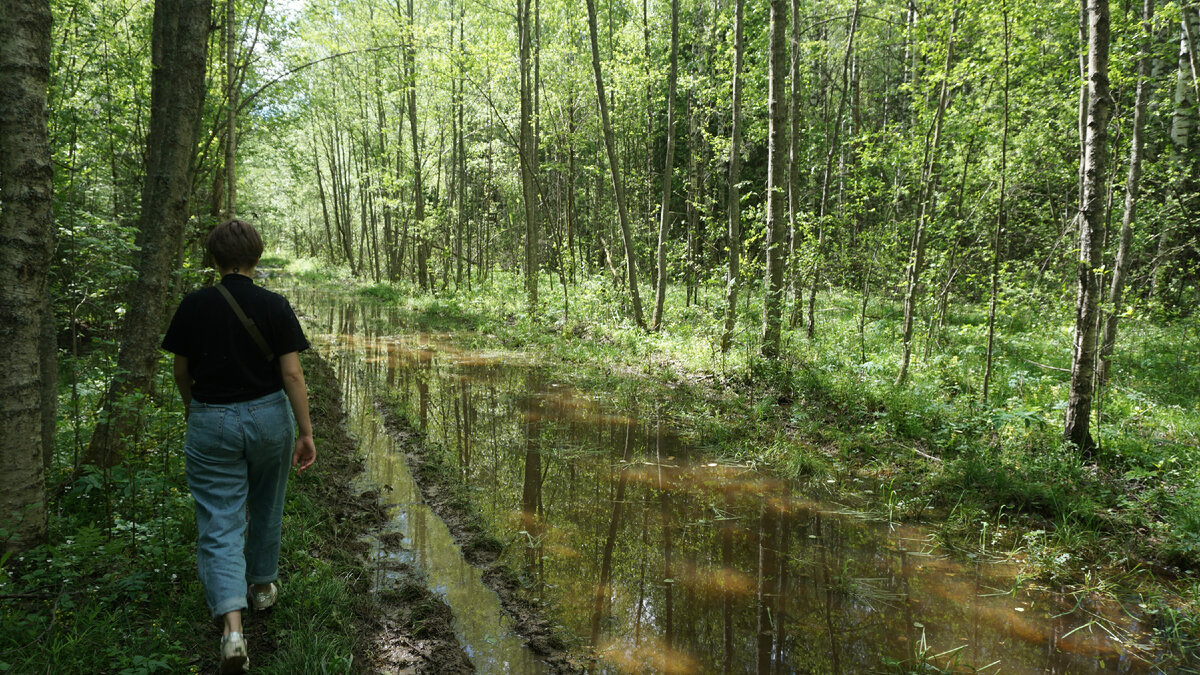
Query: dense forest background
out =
(990, 207)
(928, 153)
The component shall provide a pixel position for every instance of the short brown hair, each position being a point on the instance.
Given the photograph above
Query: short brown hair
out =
(235, 244)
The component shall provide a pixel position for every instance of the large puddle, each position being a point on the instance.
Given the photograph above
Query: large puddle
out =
(479, 623)
(669, 561)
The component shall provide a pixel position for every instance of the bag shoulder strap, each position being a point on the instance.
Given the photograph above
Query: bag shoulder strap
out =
(248, 323)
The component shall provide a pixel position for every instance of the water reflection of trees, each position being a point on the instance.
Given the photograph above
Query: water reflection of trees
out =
(666, 563)
(532, 509)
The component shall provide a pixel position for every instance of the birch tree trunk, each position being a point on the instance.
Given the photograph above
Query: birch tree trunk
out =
(776, 188)
(695, 195)
(420, 236)
(928, 187)
(1183, 121)
(793, 178)
(1183, 143)
(179, 54)
(1001, 216)
(26, 249)
(733, 280)
(528, 150)
(664, 214)
(1082, 108)
(1116, 289)
(610, 145)
(1091, 232)
(1191, 33)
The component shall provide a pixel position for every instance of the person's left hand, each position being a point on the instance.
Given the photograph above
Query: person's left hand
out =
(305, 454)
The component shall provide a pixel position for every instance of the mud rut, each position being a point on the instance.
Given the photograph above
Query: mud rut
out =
(404, 627)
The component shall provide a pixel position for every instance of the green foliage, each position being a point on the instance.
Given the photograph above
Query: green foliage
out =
(1178, 623)
(273, 261)
(314, 271)
(381, 292)
(115, 588)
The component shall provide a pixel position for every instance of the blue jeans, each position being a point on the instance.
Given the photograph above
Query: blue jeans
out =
(238, 458)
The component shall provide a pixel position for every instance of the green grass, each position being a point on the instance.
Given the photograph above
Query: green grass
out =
(274, 260)
(314, 271)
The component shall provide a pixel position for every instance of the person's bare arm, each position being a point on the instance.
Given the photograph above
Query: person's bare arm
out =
(297, 392)
(183, 382)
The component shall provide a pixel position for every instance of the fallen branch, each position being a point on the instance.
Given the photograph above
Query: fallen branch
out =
(926, 455)
(1047, 367)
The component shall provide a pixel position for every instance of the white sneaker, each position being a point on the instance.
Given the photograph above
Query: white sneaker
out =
(264, 599)
(234, 658)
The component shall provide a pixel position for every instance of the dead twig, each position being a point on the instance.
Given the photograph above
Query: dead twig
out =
(1047, 367)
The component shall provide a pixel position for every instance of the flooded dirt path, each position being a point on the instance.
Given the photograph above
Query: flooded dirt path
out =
(423, 539)
(667, 560)
(399, 625)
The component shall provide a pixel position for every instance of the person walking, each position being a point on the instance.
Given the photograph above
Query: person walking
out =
(237, 368)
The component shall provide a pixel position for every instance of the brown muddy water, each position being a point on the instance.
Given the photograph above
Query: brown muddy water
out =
(669, 560)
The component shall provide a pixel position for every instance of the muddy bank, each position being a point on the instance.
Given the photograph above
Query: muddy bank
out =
(447, 496)
(401, 626)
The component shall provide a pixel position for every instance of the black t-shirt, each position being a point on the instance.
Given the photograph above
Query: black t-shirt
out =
(223, 360)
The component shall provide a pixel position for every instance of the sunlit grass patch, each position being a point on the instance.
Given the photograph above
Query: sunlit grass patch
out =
(314, 271)
(381, 292)
(310, 628)
(274, 260)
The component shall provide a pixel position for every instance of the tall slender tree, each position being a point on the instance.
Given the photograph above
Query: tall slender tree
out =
(734, 209)
(1001, 211)
(664, 213)
(1133, 184)
(832, 149)
(527, 147)
(928, 195)
(793, 169)
(179, 52)
(421, 237)
(776, 188)
(26, 247)
(1091, 219)
(614, 167)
